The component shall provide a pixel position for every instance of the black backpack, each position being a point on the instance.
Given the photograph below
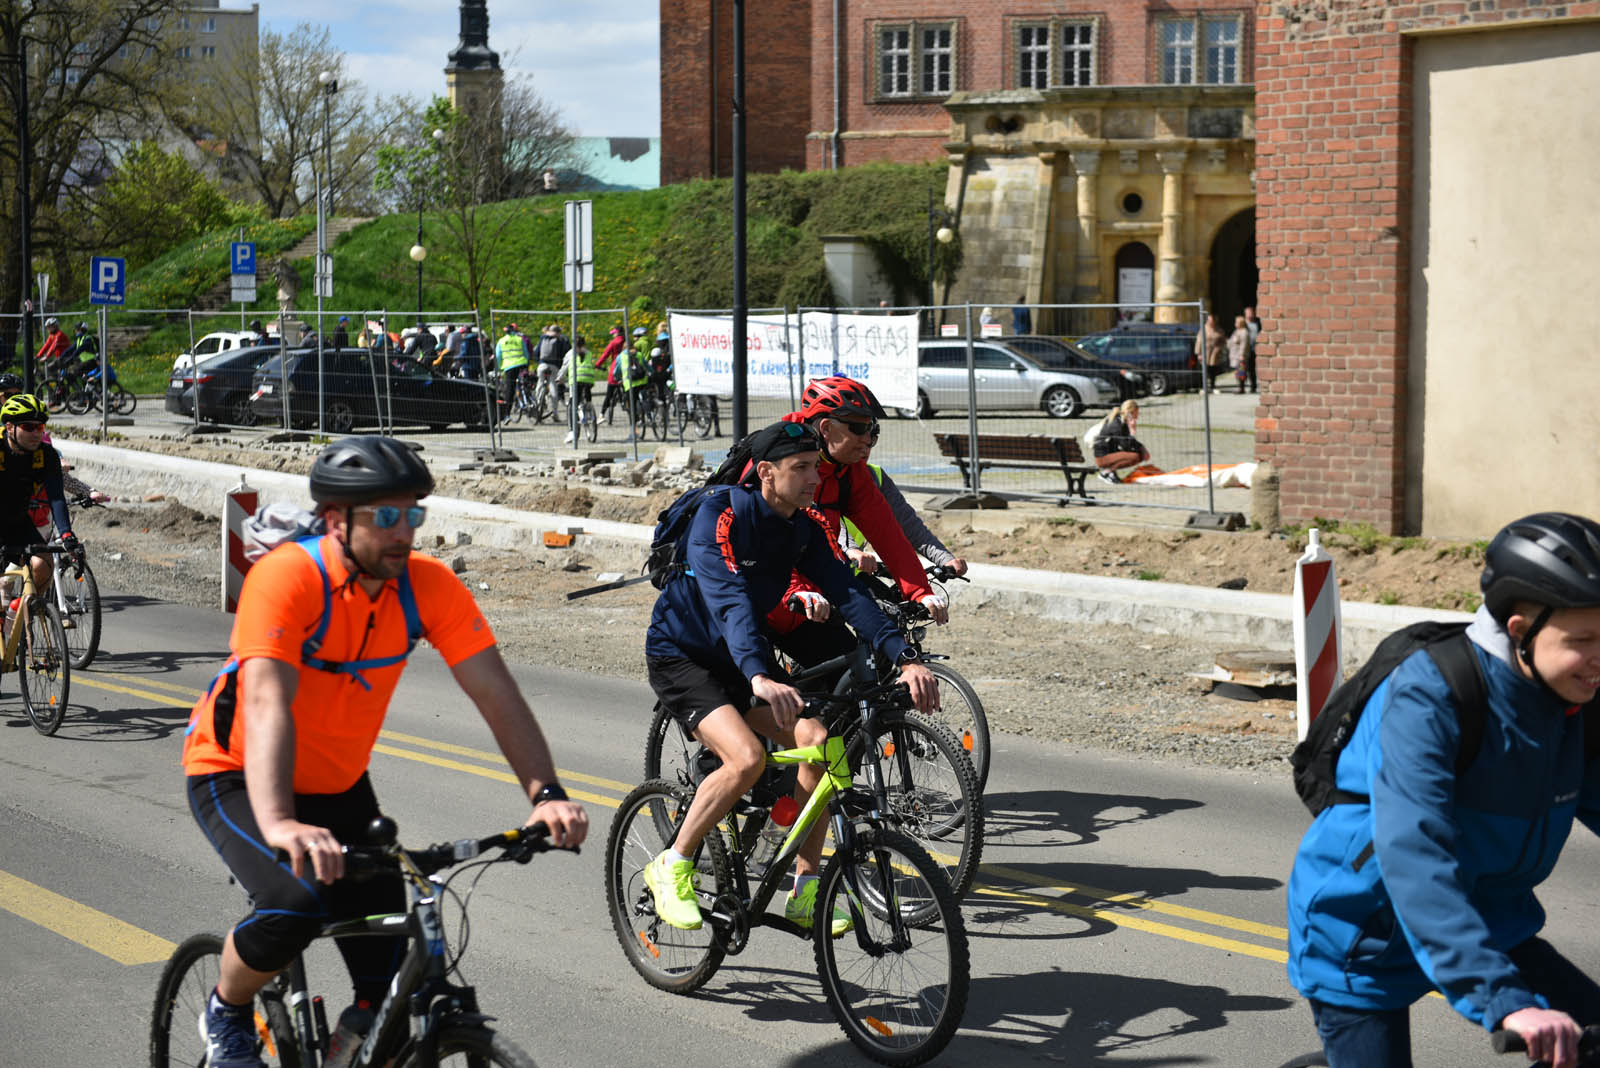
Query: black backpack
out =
(667, 544)
(1316, 759)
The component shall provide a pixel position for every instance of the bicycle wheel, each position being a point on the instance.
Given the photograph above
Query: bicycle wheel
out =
(181, 995)
(82, 623)
(45, 674)
(658, 418)
(544, 406)
(898, 990)
(933, 795)
(79, 401)
(52, 395)
(123, 400)
(591, 428)
(962, 712)
(469, 1044)
(666, 957)
(638, 414)
(702, 416)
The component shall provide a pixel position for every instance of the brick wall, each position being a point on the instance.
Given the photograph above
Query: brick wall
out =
(1333, 228)
(697, 87)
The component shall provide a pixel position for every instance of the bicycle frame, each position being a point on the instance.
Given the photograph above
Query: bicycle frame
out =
(8, 653)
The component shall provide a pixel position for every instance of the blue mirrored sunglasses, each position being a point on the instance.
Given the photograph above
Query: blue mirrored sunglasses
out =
(387, 516)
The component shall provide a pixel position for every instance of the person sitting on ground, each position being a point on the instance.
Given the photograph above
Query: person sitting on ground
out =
(707, 653)
(1422, 878)
(1115, 447)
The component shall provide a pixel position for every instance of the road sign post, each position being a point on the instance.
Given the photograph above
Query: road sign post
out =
(578, 272)
(242, 274)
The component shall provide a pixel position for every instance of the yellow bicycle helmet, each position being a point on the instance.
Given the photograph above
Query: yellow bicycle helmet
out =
(24, 408)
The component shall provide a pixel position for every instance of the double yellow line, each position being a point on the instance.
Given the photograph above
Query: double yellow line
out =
(1135, 911)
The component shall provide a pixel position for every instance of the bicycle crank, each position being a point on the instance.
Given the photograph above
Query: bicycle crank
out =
(730, 924)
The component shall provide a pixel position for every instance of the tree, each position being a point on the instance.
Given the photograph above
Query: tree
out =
(156, 200)
(476, 175)
(276, 119)
(96, 70)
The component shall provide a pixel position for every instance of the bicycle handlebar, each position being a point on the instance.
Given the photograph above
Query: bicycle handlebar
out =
(37, 550)
(519, 845)
(1511, 1042)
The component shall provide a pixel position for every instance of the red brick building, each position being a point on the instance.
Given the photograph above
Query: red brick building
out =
(873, 86)
(1426, 179)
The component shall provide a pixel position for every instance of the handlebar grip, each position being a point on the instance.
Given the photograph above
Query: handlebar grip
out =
(1507, 1042)
(795, 604)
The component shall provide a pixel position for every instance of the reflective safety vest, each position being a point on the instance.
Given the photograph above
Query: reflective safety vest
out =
(511, 352)
(633, 368)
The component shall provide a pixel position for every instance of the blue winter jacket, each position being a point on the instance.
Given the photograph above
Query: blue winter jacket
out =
(1431, 882)
(741, 554)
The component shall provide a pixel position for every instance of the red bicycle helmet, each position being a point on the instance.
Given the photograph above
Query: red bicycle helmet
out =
(837, 397)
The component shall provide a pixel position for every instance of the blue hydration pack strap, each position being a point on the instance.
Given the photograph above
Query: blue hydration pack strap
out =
(308, 651)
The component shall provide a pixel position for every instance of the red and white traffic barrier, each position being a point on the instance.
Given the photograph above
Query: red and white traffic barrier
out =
(1318, 653)
(238, 504)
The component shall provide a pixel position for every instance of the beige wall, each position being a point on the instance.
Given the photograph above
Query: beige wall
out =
(1505, 310)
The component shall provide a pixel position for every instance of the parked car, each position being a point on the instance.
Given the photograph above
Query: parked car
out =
(352, 384)
(1162, 352)
(214, 344)
(222, 384)
(1056, 355)
(1005, 379)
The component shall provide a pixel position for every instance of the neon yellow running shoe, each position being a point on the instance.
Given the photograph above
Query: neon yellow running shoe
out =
(672, 886)
(800, 909)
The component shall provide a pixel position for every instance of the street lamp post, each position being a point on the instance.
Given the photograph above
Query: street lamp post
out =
(330, 85)
(944, 235)
(419, 253)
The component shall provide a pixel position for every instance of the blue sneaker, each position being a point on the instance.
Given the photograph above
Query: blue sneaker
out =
(229, 1032)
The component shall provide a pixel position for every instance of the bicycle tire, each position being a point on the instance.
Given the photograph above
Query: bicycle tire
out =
(702, 416)
(638, 414)
(82, 595)
(659, 421)
(591, 426)
(78, 402)
(469, 1044)
(185, 985)
(889, 1014)
(52, 396)
(961, 710)
(544, 406)
(933, 794)
(670, 959)
(124, 400)
(44, 673)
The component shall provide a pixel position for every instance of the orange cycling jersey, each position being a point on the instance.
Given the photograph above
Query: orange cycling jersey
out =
(336, 720)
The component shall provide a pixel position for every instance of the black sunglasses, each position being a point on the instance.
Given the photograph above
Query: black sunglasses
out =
(862, 430)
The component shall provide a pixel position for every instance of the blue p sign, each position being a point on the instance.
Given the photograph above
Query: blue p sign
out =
(108, 276)
(243, 257)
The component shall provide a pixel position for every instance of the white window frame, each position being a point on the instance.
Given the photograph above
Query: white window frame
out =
(185, 52)
(1036, 52)
(208, 52)
(183, 22)
(901, 71)
(208, 25)
(1056, 51)
(1210, 50)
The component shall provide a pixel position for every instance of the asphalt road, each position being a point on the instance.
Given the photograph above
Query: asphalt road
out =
(1128, 912)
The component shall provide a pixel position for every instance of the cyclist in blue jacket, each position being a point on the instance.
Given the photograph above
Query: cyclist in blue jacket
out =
(1429, 883)
(708, 657)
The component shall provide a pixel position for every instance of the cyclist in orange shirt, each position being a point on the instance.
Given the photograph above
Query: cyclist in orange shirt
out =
(277, 750)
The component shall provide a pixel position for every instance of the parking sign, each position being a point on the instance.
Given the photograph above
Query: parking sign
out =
(243, 258)
(108, 275)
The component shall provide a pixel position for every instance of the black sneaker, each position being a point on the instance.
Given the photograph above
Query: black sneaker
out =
(229, 1032)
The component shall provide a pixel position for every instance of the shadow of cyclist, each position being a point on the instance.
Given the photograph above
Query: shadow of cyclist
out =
(1066, 817)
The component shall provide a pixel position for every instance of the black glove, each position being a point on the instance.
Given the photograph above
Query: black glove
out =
(69, 542)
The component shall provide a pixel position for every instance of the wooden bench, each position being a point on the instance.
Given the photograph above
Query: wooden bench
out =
(1022, 451)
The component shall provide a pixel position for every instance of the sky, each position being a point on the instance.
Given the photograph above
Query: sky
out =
(597, 61)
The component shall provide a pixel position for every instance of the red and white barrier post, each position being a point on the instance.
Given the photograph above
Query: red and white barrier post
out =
(238, 504)
(1318, 655)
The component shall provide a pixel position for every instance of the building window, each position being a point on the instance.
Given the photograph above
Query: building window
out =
(208, 25)
(208, 52)
(917, 59)
(184, 52)
(1200, 50)
(183, 22)
(122, 52)
(1055, 53)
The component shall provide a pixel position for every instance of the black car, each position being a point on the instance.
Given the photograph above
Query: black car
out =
(223, 385)
(1162, 352)
(355, 384)
(1058, 355)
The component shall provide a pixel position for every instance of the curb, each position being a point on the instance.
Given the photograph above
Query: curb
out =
(1231, 617)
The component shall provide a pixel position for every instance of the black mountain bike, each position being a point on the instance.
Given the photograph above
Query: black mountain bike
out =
(425, 1020)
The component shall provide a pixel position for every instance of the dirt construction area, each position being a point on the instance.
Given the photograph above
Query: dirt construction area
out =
(1091, 686)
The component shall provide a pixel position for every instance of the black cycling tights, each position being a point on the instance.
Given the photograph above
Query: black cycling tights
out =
(288, 912)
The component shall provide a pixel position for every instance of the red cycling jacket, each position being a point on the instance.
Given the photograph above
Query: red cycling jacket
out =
(850, 490)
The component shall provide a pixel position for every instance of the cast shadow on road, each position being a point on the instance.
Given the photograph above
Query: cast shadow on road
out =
(122, 602)
(1040, 818)
(156, 662)
(105, 722)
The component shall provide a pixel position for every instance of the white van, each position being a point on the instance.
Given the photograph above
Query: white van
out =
(214, 344)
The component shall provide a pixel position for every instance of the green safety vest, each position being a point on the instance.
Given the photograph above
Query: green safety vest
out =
(853, 530)
(635, 369)
(511, 352)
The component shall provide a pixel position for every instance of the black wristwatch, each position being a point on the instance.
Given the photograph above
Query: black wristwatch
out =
(550, 791)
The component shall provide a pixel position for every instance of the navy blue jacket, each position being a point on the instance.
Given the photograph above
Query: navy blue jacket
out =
(741, 555)
(1431, 882)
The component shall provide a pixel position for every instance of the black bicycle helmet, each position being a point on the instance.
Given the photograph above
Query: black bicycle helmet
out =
(10, 383)
(362, 469)
(1549, 558)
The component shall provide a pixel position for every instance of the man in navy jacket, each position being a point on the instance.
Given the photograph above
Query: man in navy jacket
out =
(1429, 884)
(708, 657)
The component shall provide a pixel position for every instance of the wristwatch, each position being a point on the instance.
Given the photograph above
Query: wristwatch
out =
(550, 791)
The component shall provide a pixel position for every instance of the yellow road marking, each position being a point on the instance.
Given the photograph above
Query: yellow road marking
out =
(163, 700)
(497, 758)
(90, 928)
(145, 680)
(487, 773)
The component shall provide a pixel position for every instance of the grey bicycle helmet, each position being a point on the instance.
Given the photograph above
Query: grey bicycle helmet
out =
(1549, 558)
(361, 469)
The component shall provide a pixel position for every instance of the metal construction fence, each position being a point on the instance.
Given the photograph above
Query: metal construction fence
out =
(975, 403)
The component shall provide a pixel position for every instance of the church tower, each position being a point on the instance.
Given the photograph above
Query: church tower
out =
(473, 79)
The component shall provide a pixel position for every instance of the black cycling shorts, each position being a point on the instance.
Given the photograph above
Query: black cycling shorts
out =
(691, 691)
(288, 912)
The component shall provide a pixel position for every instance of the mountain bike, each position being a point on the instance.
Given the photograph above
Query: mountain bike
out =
(35, 645)
(423, 1021)
(931, 791)
(897, 981)
(77, 599)
(693, 408)
(52, 392)
(588, 424)
(646, 412)
(83, 395)
(1499, 1041)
